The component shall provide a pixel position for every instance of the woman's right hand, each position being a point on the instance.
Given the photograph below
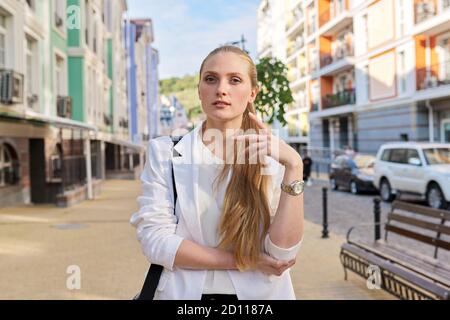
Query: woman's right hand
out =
(271, 266)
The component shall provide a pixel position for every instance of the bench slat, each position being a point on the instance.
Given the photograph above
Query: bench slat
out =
(406, 274)
(434, 270)
(420, 223)
(419, 237)
(430, 212)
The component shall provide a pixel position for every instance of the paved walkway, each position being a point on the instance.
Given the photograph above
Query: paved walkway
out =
(39, 243)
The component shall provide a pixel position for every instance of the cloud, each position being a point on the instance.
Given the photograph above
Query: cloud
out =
(186, 31)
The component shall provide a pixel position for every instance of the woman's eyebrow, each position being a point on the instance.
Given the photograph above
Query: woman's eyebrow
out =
(228, 74)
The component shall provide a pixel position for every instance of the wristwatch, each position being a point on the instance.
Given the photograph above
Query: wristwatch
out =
(295, 188)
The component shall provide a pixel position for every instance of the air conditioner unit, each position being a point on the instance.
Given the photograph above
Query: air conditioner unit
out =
(11, 87)
(64, 107)
(58, 20)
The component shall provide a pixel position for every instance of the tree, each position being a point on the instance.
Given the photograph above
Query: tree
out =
(274, 91)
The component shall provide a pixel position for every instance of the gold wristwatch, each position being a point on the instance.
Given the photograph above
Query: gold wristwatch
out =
(295, 188)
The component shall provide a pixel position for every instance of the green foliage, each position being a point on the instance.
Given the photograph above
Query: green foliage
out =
(274, 91)
(185, 89)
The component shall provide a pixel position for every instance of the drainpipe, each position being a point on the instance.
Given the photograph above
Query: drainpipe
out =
(430, 120)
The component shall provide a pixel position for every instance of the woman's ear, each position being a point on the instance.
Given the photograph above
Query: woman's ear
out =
(253, 94)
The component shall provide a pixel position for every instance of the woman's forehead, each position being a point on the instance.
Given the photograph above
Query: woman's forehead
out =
(226, 63)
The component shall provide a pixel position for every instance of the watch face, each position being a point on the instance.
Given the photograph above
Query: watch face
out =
(297, 188)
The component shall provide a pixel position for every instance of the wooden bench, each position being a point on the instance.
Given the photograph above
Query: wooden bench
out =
(402, 271)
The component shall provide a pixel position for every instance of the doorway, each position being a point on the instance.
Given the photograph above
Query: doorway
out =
(445, 131)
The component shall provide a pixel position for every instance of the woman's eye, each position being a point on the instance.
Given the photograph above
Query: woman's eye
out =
(209, 79)
(236, 80)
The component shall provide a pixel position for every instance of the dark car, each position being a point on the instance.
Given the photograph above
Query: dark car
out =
(353, 173)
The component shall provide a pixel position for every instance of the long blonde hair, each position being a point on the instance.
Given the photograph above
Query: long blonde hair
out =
(245, 216)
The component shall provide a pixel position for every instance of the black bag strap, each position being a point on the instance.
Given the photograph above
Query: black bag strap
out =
(155, 271)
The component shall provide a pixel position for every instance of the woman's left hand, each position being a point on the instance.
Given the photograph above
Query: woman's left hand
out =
(264, 143)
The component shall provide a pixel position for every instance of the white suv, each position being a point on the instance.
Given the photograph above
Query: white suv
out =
(417, 168)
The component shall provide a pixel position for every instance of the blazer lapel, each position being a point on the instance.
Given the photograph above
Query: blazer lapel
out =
(186, 181)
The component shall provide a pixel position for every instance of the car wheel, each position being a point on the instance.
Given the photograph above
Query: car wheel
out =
(333, 184)
(385, 191)
(354, 187)
(435, 197)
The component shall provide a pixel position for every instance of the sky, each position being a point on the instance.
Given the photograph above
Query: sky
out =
(187, 30)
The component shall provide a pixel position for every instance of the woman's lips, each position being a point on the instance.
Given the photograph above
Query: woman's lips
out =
(221, 104)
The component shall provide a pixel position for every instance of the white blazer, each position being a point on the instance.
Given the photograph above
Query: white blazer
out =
(160, 231)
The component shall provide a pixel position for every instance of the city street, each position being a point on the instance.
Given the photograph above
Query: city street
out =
(40, 244)
(346, 210)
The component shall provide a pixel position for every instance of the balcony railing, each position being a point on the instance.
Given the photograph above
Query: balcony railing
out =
(424, 10)
(434, 76)
(296, 16)
(297, 45)
(341, 98)
(341, 51)
(329, 15)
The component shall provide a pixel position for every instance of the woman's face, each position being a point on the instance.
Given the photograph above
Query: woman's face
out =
(225, 78)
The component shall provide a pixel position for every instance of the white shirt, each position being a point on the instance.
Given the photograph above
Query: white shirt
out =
(210, 206)
(211, 196)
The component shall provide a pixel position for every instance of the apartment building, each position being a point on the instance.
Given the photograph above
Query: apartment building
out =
(64, 114)
(371, 71)
(275, 31)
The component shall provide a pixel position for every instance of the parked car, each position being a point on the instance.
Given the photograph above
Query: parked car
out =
(422, 169)
(352, 173)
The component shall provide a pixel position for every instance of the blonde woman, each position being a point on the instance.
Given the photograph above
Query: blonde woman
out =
(237, 226)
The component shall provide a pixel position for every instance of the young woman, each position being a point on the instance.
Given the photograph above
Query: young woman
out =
(237, 226)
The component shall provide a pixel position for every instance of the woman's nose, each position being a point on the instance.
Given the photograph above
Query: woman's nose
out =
(222, 88)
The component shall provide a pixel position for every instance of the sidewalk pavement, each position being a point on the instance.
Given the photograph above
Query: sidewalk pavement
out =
(39, 243)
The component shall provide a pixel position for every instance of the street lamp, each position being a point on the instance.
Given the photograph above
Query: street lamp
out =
(240, 42)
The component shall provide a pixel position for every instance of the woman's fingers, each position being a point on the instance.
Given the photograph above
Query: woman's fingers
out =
(257, 121)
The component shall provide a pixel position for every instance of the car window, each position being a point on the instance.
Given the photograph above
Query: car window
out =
(398, 156)
(437, 155)
(351, 164)
(412, 153)
(386, 155)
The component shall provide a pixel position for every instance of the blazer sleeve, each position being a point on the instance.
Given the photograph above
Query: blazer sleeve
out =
(156, 221)
(269, 247)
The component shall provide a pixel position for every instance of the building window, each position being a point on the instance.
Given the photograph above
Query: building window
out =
(402, 71)
(366, 85)
(31, 77)
(60, 76)
(9, 166)
(401, 18)
(365, 33)
(2, 41)
(59, 14)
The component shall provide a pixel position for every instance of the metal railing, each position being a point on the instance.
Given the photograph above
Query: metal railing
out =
(341, 98)
(433, 76)
(424, 10)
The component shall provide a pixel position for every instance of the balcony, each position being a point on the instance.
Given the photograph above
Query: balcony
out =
(341, 98)
(331, 22)
(295, 21)
(341, 51)
(296, 46)
(431, 19)
(436, 76)
(314, 106)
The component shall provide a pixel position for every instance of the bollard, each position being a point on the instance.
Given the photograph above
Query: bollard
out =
(376, 214)
(325, 214)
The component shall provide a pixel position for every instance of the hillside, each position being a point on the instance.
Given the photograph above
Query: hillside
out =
(185, 89)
